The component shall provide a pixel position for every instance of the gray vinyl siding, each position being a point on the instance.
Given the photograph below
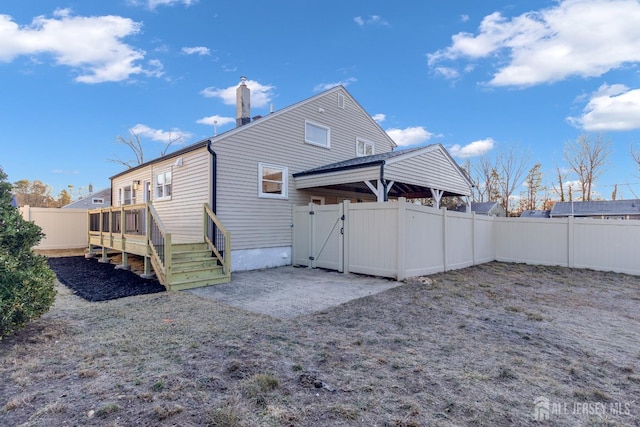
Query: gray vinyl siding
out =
(351, 176)
(182, 214)
(432, 169)
(279, 140)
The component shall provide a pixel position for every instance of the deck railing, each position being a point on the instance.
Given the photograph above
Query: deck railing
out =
(218, 239)
(159, 240)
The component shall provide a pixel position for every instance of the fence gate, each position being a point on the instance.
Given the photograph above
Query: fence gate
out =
(318, 236)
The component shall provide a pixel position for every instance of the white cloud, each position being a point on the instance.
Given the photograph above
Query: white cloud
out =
(216, 120)
(261, 94)
(409, 136)
(326, 86)
(371, 20)
(572, 38)
(447, 72)
(92, 46)
(473, 149)
(614, 107)
(464, 18)
(152, 4)
(197, 50)
(379, 117)
(165, 136)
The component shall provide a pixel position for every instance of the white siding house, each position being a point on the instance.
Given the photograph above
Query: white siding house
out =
(253, 175)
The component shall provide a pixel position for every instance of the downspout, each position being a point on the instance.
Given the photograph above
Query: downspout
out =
(214, 177)
(383, 181)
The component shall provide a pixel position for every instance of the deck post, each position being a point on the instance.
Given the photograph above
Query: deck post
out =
(125, 264)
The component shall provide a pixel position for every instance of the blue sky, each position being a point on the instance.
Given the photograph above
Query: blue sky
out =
(475, 76)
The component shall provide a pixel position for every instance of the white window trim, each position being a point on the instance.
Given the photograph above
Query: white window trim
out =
(366, 142)
(155, 186)
(341, 101)
(328, 129)
(285, 182)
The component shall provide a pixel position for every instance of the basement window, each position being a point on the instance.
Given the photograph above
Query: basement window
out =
(364, 147)
(272, 181)
(317, 134)
(163, 186)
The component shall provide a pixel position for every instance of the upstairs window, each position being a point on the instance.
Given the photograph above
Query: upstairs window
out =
(97, 201)
(163, 186)
(364, 147)
(341, 100)
(272, 181)
(317, 134)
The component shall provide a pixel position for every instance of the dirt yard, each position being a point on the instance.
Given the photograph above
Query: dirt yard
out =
(497, 344)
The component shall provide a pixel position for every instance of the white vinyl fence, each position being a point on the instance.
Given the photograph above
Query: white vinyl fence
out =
(399, 240)
(63, 228)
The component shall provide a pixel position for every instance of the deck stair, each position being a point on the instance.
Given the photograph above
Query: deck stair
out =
(192, 266)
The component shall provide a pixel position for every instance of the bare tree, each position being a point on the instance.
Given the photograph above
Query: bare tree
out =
(486, 185)
(135, 144)
(559, 190)
(533, 182)
(510, 167)
(587, 157)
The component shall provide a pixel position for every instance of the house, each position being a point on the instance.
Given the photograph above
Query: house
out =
(483, 208)
(99, 199)
(601, 209)
(244, 183)
(535, 213)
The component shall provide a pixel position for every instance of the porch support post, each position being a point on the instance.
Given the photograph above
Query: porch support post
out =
(377, 190)
(389, 185)
(468, 199)
(437, 195)
(147, 269)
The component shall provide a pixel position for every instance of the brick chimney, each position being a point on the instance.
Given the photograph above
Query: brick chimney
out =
(243, 103)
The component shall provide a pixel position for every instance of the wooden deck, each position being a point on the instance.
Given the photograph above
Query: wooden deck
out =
(138, 230)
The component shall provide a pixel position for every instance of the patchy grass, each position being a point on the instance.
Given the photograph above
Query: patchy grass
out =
(469, 347)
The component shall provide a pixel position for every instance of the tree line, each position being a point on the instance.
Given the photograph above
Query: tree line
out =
(499, 177)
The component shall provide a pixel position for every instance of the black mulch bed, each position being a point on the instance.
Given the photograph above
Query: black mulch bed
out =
(96, 281)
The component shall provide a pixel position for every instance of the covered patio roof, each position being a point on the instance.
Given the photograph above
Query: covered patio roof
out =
(422, 172)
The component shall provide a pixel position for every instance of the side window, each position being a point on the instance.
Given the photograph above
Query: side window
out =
(272, 181)
(317, 134)
(364, 147)
(126, 195)
(162, 186)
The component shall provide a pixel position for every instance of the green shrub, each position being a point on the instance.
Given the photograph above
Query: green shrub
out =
(26, 281)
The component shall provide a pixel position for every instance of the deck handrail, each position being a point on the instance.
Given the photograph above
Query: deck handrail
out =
(217, 238)
(158, 240)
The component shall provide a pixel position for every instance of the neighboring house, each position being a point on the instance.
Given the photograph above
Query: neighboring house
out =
(535, 213)
(603, 209)
(99, 199)
(483, 208)
(324, 149)
(488, 208)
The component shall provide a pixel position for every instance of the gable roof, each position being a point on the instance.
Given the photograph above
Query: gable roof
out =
(414, 171)
(597, 208)
(484, 208)
(356, 162)
(87, 202)
(218, 138)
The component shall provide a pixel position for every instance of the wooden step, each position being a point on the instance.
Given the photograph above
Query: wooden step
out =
(190, 284)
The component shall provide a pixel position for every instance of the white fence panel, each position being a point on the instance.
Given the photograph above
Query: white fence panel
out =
(301, 250)
(424, 241)
(532, 241)
(459, 235)
(484, 239)
(606, 244)
(63, 228)
(373, 239)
